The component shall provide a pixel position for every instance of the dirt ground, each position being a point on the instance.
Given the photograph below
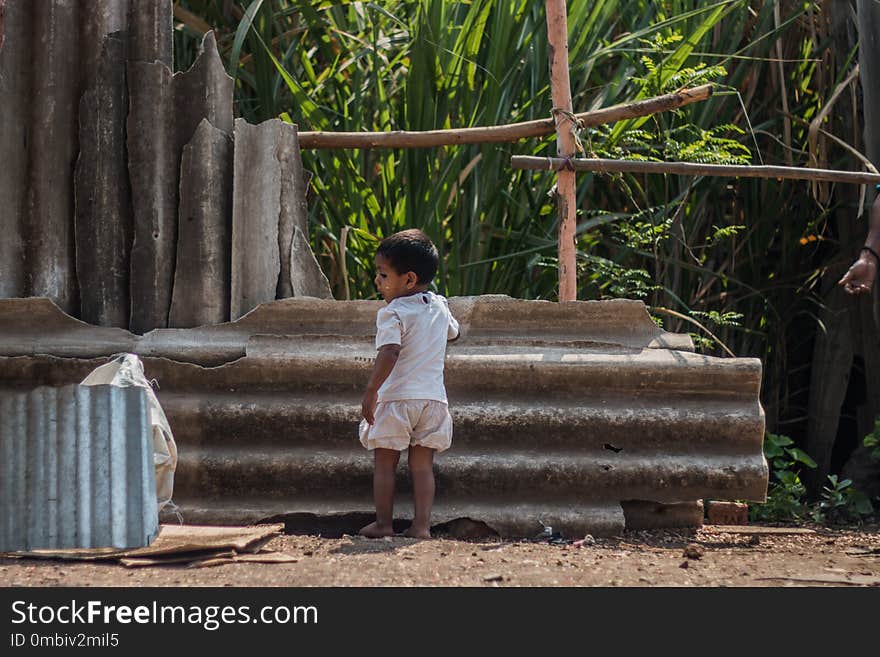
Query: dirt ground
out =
(712, 556)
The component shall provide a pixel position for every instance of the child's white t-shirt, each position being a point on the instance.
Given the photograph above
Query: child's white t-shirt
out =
(421, 324)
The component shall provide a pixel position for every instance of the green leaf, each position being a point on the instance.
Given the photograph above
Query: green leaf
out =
(787, 477)
(863, 505)
(779, 440)
(801, 457)
(240, 34)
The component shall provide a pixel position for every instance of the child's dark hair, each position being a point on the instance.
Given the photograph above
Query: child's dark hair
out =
(411, 250)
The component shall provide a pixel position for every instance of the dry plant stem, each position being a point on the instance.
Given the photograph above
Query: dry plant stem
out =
(560, 88)
(816, 123)
(672, 313)
(784, 93)
(343, 248)
(847, 147)
(500, 133)
(694, 169)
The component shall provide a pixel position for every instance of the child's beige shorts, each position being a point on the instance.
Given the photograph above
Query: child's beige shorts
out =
(399, 424)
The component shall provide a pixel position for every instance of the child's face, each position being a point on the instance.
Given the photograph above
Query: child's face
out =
(389, 283)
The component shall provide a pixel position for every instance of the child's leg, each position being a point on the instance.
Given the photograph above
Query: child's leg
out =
(421, 469)
(383, 493)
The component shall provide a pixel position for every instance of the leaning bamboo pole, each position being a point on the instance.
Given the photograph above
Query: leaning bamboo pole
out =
(691, 169)
(566, 125)
(500, 133)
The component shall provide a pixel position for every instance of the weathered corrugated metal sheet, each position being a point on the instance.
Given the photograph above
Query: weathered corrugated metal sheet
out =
(583, 431)
(165, 111)
(42, 85)
(103, 197)
(150, 27)
(496, 319)
(256, 207)
(201, 277)
(15, 92)
(268, 207)
(154, 174)
(306, 277)
(53, 146)
(103, 206)
(77, 468)
(93, 196)
(300, 273)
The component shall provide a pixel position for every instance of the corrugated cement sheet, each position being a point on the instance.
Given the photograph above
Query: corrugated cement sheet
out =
(76, 466)
(51, 56)
(559, 417)
(37, 326)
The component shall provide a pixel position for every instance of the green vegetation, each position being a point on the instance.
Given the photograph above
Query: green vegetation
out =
(786, 493)
(872, 441)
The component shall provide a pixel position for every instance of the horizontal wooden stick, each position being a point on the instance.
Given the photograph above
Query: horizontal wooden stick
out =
(693, 169)
(499, 133)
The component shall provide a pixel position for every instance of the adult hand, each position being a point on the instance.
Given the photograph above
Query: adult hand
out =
(368, 405)
(859, 279)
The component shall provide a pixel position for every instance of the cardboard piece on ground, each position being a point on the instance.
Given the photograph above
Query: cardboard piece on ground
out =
(72, 554)
(143, 562)
(262, 557)
(175, 540)
(749, 529)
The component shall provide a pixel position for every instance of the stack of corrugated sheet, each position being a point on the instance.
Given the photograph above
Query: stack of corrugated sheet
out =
(583, 416)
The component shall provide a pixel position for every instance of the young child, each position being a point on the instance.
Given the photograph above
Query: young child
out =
(405, 406)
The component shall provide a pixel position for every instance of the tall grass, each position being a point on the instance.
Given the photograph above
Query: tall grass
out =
(726, 254)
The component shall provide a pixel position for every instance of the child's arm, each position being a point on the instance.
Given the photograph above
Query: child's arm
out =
(385, 361)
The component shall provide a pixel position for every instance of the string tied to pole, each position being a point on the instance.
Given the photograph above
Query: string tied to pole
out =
(575, 125)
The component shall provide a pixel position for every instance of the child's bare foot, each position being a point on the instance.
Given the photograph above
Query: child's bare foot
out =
(375, 530)
(417, 532)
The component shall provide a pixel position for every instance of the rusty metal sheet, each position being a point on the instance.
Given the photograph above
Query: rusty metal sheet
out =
(77, 468)
(201, 277)
(165, 111)
(103, 196)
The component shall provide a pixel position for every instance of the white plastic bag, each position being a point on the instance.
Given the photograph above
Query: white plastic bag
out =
(128, 370)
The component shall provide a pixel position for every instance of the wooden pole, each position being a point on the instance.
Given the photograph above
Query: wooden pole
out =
(560, 92)
(500, 133)
(693, 169)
